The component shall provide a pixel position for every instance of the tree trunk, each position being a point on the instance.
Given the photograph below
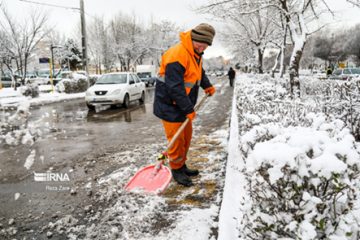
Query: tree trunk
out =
(294, 70)
(282, 59)
(275, 64)
(260, 60)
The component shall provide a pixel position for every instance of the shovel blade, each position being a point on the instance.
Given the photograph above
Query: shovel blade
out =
(151, 179)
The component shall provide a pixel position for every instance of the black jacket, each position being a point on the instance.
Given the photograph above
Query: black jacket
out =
(171, 102)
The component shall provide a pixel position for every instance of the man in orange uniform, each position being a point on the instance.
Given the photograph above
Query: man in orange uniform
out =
(176, 93)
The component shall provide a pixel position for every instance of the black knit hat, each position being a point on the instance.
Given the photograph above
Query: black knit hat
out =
(203, 33)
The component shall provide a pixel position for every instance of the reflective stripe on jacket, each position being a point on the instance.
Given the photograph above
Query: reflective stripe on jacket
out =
(180, 75)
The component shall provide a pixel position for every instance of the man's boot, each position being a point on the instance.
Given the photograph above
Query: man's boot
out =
(181, 178)
(189, 172)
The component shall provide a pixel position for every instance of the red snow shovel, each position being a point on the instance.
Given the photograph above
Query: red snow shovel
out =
(155, 178)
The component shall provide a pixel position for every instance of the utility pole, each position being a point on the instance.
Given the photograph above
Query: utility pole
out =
(83, 37)
(52, 59)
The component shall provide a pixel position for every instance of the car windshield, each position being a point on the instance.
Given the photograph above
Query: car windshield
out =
(112, 79)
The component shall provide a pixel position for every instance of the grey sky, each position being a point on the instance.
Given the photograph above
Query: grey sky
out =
(178, 11)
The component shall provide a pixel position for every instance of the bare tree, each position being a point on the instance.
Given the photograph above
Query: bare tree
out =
(128, 40)
(22, 38)
(100, 45)
(160, 36)
(354, 2)
(353, 46)
(251, 25)
(297, 15)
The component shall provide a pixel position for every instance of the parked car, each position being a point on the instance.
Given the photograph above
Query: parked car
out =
(115, 89)
(219, 73)
(345, 73)
(6, 80)
(32, 77)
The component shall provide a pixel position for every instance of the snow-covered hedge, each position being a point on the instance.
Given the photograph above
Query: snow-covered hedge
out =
(302, 167)
(340, 98)
(304, 182)
(72, 85)
(30, 90)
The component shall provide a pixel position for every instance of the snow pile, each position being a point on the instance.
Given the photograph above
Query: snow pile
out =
(10, 98)
(15, 129)
(302, 168)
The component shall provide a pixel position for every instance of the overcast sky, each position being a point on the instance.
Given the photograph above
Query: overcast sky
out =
(179, 11)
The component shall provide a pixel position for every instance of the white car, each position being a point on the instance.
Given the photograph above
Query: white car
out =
(115, 89)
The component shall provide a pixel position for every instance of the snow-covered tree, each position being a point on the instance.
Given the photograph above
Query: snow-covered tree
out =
(70, 54)
(21, 39)
(99, 46)
(250, 25)
(160, 36)
(297, 14)
(127, 40)
(354, 43)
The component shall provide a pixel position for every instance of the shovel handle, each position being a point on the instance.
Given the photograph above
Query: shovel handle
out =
(181, 128)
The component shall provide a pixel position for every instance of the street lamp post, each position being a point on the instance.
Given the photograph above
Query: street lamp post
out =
(52, 58)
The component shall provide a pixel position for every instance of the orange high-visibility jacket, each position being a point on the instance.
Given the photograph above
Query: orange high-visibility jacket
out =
(180, 76)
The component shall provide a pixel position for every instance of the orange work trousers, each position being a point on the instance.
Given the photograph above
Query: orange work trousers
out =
(177, 153)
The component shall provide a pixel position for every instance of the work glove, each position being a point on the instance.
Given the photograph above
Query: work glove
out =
(191, 116)
(210, 90)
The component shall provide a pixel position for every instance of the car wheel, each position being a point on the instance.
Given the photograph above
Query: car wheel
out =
(142, 99)
(126, 101)
(90, 107)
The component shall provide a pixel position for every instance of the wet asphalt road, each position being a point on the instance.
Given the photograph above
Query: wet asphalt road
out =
(72, 141)
(70, 131)
(72, 137)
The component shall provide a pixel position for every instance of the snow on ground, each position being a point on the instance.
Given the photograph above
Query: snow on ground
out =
(230, 211)
(11, 98)
(180, 212)
(259, 134)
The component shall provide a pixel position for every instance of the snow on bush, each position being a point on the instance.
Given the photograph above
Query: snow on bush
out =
(337, 97)
(31, 90)
(302, 168)
(75, 85)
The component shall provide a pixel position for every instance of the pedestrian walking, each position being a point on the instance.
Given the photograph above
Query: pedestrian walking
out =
(180, 76)
(231, 74)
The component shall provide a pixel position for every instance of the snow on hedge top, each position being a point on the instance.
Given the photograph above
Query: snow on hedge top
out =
(323, 149)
